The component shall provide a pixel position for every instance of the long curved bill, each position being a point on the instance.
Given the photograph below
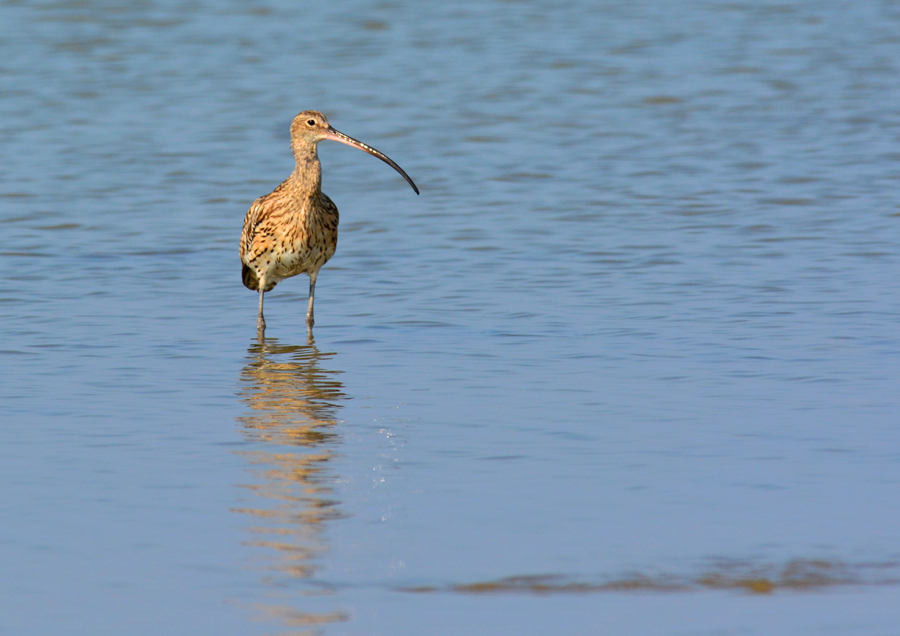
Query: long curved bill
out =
(335, 135)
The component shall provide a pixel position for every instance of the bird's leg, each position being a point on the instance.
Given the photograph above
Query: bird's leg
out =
(310, 319)
(260, 321)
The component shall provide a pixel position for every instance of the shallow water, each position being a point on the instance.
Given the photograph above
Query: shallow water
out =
(628, 365)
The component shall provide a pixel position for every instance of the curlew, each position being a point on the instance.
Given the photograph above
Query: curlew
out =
(293, 230)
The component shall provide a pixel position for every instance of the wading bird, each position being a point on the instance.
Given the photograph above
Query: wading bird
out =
(294, 229)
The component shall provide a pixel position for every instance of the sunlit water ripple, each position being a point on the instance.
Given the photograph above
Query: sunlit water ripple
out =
(627, 366)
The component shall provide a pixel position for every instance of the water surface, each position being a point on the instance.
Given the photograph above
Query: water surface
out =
(627, 366)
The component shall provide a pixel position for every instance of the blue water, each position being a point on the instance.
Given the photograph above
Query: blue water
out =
(627, 366)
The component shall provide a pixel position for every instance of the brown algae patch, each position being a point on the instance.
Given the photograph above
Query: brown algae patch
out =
(798, 575)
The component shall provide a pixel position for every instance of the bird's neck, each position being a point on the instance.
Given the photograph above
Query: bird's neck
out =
(307, 175)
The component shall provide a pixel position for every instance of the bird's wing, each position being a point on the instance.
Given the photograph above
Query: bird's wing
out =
(328, 206)
(255, 215)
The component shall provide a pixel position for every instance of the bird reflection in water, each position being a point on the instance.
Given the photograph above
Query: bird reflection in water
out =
(293, 404)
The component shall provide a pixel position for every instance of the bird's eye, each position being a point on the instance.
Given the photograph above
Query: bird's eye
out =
(311, 122)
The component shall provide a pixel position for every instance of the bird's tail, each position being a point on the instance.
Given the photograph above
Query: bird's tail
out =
(251, 282)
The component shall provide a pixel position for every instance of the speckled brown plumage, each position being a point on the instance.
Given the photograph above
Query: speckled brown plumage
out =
(291, 231)
(294, 229)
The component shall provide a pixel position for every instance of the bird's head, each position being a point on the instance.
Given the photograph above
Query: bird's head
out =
(310, 127)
